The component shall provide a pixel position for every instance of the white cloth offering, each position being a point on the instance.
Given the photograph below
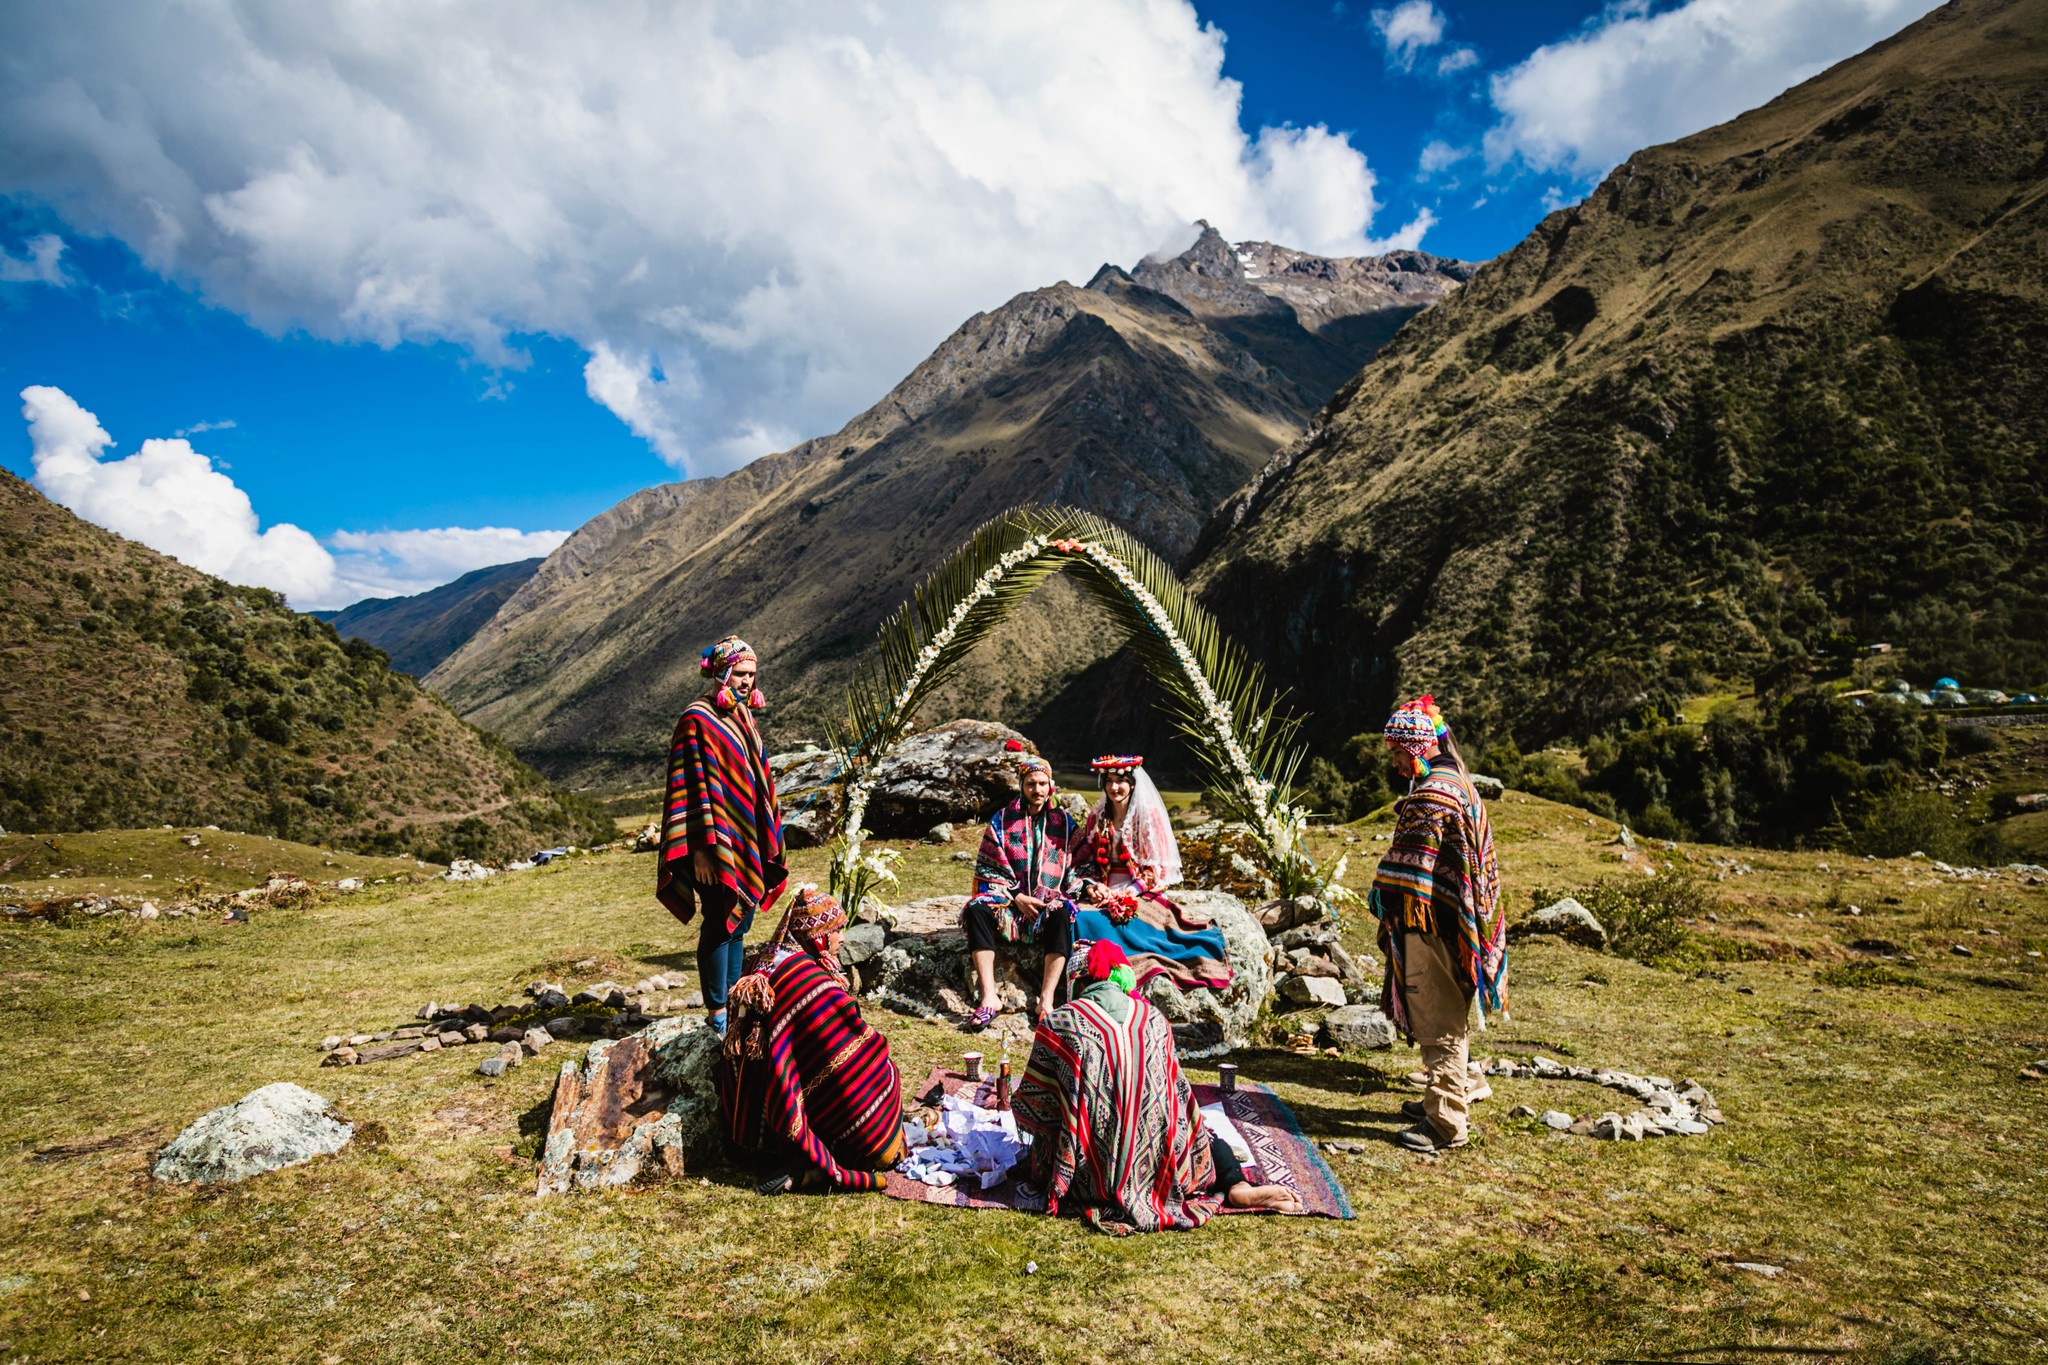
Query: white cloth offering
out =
(967, 1142)
(1219, 1123)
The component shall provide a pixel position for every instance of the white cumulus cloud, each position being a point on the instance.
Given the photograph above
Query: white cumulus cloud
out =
(399, 563)
(753, 219)
(1408, 28)
(42, 262)
(1636, 79)
(171, 498)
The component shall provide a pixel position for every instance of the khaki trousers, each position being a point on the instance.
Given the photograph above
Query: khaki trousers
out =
(1440, 1016)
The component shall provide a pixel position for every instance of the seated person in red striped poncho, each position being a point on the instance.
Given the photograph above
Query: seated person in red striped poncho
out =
(1115, 1129)
(804, 1082)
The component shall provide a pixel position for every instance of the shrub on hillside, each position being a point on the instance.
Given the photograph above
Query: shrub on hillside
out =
(1902, 821)
(1645, 917)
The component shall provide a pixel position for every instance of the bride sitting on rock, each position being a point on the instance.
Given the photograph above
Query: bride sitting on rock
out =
(1126, 859)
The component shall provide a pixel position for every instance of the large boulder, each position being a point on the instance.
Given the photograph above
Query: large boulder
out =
(632, 1108)
(951, 774)
(926, 954)
(1234, 1008)
(279, 1125)
(1359, 1028)
(1567, 919)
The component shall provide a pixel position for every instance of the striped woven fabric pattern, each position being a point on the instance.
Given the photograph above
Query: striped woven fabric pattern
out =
(721, 797)
(1440, 876)
(1114, 1124)
(825, 1090)
(1027, 854)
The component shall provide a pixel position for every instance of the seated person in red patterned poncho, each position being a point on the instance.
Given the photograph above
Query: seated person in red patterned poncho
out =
(804, 1082)
(1115, 1128)
(1022, 880)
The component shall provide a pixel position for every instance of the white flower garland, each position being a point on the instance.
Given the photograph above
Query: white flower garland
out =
(1283, 825)
(927, 658)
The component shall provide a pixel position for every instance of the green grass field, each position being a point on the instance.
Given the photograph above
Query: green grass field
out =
(1880, 1147)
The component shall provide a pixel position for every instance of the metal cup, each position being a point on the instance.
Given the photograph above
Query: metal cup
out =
(1226, 1077)
(970, 1065)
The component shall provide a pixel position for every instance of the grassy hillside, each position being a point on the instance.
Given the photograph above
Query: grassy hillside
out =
(169, 862)
(1904, 1220)
(1777, 389)
(1146, 396)
(141, 692)
(418, 632)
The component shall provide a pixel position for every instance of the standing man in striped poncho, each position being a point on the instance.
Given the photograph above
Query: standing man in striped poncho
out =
(721, 833)
(805, 1083)
(1442, 927)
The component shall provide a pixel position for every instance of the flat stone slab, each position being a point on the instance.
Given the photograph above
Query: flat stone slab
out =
(631, 1108)
(266, 1130)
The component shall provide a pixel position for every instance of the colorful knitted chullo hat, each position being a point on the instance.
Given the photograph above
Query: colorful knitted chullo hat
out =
(1417, 727)
(717, 663)
(1027, 762)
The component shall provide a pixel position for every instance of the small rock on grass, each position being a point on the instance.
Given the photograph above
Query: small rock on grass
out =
(493, 1066)
(534, 1039)
(278, 1125)
(1555, 1118)
(1522, 1111)
(331, 1042)
(1769, 1272)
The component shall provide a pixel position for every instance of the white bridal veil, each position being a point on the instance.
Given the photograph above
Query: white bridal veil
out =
(1147, 829)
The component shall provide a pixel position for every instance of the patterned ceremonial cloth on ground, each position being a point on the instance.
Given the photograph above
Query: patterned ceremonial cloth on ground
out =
(1440, 876)
(1281, 1154)
(1115, 1128)
(1023, 854)
(825, 1088)
(721, 797)
(1160, 939)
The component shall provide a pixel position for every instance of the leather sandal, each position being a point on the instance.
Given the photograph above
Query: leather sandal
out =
(982, 1017)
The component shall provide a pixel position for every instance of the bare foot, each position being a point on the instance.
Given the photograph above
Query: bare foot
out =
(1245, 1195)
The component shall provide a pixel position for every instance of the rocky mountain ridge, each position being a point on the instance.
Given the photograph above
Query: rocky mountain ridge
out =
(1769, 392)
(420, 630)
(1147, 395)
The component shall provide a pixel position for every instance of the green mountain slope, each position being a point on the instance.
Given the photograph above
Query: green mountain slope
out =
(1147, 396)
(1780, 382)
(419, 631)
(142, 692)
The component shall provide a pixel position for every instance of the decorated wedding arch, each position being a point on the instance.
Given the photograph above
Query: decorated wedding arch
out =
(1240, 737)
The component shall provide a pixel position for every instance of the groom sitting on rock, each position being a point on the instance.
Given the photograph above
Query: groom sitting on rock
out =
(1021, 887)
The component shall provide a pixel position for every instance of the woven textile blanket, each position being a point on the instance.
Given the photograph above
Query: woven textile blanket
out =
(1281, 1154)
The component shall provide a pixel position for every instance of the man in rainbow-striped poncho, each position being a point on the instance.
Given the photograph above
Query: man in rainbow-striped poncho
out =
(1442, 928)
(721, 832)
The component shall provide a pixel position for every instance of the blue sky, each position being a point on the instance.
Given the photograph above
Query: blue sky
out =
(285, 297)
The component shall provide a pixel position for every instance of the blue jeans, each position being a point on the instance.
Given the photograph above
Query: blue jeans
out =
(719, 952)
